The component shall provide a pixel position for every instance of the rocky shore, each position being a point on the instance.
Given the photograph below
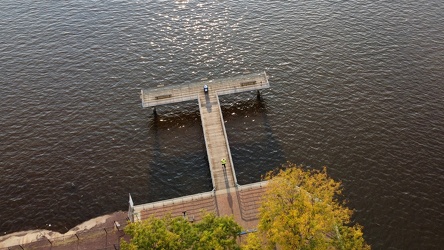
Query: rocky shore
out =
(115, 220)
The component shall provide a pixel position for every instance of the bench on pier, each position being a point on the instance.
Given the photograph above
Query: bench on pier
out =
(243, 84)
(163, 96)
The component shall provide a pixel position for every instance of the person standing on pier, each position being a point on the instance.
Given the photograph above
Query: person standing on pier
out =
(223, 161)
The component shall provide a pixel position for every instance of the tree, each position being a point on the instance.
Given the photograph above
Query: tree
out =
(217, 232)
(178, 233)
(300, 210)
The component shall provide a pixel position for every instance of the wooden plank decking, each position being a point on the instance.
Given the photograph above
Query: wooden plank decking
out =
(186, 92)
(216, 141)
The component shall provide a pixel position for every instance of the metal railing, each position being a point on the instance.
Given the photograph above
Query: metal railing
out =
(164, 203)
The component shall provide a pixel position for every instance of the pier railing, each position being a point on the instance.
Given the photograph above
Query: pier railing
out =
(164, 203)
(226, 142)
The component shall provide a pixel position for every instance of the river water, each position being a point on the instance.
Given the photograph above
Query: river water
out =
(357, 86)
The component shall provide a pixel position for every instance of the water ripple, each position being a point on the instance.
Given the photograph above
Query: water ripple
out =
(356, 86)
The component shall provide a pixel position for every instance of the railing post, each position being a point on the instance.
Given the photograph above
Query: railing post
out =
(78, 240)
(131, 209)
(117, 225)
(50, 242)
(106, 238)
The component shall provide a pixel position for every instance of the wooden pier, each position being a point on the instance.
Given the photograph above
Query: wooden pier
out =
(216, 140)
(226, 196)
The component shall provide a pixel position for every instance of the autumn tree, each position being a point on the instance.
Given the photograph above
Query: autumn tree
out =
(211, 232)
(300, 210)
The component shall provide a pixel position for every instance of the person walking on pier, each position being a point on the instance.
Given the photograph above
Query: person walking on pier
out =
(223, 161)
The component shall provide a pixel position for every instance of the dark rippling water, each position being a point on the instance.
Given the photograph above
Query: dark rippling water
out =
(356, 85)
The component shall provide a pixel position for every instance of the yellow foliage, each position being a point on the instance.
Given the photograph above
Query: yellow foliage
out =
(300, 210)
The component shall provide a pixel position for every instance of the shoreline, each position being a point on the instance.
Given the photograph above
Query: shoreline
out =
(29, 236)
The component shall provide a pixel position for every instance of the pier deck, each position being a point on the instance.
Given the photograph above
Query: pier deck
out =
(216, 141)
(187, 92)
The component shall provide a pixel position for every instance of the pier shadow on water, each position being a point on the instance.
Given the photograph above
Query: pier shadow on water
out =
(254, 148)
(179, 164)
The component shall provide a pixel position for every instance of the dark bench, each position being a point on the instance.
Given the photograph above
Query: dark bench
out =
(248, 83)
(163, 96)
